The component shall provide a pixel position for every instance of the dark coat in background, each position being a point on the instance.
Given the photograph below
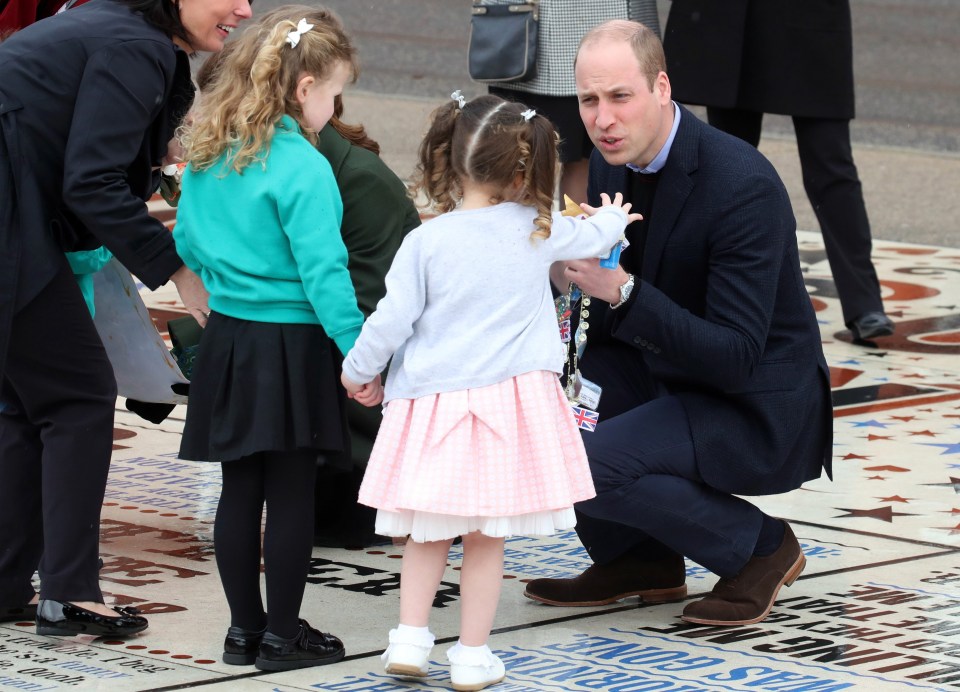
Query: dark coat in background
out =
(377, 215)
(791, 57)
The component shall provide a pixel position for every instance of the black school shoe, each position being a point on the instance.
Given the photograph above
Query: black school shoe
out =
(308, 648)
(65, 619)
(241, 646)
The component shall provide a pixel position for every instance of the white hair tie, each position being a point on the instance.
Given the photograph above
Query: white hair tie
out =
(528, 114)
(458, 97)
(293, 37)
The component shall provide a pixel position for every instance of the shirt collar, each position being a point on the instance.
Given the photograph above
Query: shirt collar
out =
(661, 158)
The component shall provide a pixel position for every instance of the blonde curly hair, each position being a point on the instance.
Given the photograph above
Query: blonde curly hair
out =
(255, 85)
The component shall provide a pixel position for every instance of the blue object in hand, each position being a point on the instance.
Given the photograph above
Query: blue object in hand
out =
(612, 261)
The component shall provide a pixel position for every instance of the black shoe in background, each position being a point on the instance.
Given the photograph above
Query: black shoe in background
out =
(870, 325)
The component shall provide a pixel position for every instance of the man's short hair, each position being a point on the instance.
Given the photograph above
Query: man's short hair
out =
(644, 41)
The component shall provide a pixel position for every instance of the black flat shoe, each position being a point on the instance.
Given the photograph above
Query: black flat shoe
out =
(241, 646)
(308, 648)
(24, 613)
(65, 620)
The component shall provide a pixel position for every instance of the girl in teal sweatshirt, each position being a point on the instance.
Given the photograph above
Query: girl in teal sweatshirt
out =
(259, 221)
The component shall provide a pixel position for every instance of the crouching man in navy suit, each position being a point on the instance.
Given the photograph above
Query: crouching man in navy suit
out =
(705, 346)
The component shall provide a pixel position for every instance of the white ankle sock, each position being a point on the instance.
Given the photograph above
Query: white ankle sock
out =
(418, 635)
(470, 655)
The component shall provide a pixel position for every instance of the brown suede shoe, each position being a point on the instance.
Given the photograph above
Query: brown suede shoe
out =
(660, 581)
(748, 597)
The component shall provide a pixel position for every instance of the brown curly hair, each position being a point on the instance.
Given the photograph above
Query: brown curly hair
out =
(489, 141)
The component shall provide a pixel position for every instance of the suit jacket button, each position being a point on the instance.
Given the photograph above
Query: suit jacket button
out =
(638, 340)
(656, 350)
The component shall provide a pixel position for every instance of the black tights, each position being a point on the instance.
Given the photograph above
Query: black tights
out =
(284, 481)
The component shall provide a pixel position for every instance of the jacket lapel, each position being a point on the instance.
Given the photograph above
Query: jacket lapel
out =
(676, 184)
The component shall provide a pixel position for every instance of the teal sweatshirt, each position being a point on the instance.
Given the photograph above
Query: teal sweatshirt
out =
(84, 264)
(267, 242)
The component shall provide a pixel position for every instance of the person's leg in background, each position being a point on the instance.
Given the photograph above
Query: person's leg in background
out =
(833, 186)
(746, 125)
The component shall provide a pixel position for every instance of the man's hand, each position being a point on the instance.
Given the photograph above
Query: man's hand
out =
(193, 295)
(369, 394)
(595, 280)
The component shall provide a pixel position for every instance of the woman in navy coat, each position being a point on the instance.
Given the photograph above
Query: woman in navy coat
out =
(88, 102)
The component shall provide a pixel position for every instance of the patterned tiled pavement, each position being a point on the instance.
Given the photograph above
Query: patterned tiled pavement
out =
(878, 607)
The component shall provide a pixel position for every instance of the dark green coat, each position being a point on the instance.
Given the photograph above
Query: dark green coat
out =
(377, 214)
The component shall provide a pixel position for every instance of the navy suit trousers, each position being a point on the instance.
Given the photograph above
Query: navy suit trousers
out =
(651, 498)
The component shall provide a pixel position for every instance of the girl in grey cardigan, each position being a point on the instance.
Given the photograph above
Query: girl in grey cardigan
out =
(477, 439)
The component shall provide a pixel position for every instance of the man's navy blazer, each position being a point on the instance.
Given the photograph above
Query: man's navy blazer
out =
(721, 316)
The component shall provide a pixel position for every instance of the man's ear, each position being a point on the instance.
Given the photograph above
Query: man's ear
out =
(303, 88)
(663, 87)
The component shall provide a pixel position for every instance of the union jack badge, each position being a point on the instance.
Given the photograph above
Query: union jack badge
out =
(585, 418)
(565, 331)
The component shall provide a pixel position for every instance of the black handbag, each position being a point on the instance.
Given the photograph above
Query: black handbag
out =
(503, 42)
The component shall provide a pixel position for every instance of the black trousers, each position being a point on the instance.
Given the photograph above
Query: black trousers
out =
(833, 188)
(56, 435)
(651, 499)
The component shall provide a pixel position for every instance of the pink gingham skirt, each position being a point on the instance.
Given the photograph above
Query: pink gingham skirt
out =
(505, 459)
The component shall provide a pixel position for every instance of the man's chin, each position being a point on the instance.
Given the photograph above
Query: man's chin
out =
(616, 158)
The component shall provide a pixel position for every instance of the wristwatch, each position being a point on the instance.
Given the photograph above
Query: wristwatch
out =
(625, 291)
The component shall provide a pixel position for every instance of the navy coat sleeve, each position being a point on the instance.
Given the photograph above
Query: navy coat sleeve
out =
(121, 95)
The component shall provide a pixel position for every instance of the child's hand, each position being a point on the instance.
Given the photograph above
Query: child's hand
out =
(369, 394)
(617, 201)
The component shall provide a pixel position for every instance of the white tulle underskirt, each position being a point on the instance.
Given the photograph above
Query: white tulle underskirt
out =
(423, 527)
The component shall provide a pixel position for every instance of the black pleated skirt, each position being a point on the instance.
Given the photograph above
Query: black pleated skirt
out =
(263, 386)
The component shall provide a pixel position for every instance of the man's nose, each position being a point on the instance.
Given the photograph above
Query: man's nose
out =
(605, 115)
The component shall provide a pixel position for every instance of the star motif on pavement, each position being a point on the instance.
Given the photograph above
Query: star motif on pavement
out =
(868, 424)
(916, 376)
(882, 513)
(947, 448)
(951, 529)
(871, 438)
(925, 433)
(905, 419)
(891, 469)
(954, 483)
(945, 307)
(848, 457)
(876, 478)
(895, 498)
(878, 354)
(851, 361)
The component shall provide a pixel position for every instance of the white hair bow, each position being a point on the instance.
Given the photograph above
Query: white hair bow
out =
(528, 114)
(293, 38)
(458, 97)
